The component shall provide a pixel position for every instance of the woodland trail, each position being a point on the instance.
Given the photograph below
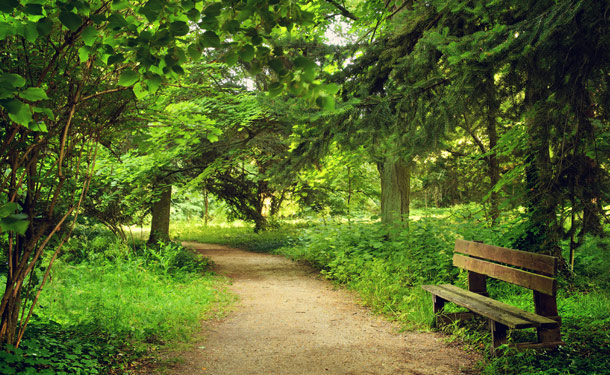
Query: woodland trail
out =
(289, 321)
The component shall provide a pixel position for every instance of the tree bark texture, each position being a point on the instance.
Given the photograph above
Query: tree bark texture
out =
(160, 211)
(395, 191)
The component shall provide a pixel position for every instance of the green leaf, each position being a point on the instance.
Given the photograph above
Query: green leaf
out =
(139, 91)
(213, 10)
(39, 127)
(210, 39)
(331, 88)
(8, 208)
(212, 137)
(70, 20)
(13, 80)
(6, 29)
(116, 22)
(246, 53)
(153, 82)
(30, 32)
(152, 10)
(89, 35)
(193, 15)
(14, 223)
(194, 52)
(7, 6)
(128, 77)
(23, 115)
(34, 9)
(120, 4)
(83, 53)
(44, 26)
(179, 28)
(326, 102)
(231, 58)
(33, 94)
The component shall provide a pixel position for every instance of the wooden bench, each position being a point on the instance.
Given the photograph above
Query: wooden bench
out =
(529, 270)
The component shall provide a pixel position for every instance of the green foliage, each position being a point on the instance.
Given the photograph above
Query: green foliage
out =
(242, 237)
(109, 306)
(387, 269)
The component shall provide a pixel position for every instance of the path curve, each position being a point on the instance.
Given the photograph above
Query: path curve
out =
(291, 322)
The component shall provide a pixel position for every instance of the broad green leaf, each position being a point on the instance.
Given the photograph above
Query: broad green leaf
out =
(33, 94)
(153, 82)
(246, 53)
(8, 209)
(331, 88)
(231, 58)
(114, 59)
(139, 91)
(14, 223)
(179, 28)
(194, 52)
(83, 53)
(326, 102)
(116, 22)
(34, 9)
(6, 29)
(210, 39)
(128, 77)
(193, 15)
(30, 32)
(213, 10)
(44, 26)
(212, 137)
(120, 4)
(152, 10)
(13, 80)
(39, 127)
(70, 20)
(21, 113)
(89, 35)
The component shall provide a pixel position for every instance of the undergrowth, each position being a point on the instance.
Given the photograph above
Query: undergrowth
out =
(110, 307)
(387, 266)
(242, 237)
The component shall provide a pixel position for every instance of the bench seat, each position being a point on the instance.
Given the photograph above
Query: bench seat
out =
(497, 311)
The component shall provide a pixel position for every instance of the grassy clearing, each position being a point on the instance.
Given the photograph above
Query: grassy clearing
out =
(241, 236)
(109, 307)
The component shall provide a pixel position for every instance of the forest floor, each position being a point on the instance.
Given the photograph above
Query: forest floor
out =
(291, 321)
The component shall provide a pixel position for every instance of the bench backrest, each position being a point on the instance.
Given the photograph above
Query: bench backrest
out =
(529, 270)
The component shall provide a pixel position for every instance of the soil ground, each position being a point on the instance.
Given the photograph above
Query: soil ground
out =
(289, 321)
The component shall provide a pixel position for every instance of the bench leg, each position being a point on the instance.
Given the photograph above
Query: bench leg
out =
(438, 304)
(498, 335)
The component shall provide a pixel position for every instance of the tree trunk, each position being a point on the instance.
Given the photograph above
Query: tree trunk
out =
(395, 191)
(160, 211)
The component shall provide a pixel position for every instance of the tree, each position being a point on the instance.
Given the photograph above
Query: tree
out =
(69, 73)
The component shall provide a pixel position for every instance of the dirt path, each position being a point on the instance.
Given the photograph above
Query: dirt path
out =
(291, 322)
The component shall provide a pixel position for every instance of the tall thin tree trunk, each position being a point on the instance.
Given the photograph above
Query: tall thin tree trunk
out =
(395, 191)
(160, 211)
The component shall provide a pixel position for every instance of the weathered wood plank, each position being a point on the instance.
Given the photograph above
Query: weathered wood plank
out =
(537, 320)
(532, 261)
(515, 276)
(473, 304)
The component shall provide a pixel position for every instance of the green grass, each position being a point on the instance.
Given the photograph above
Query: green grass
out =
(242, 236)
(109, 308)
